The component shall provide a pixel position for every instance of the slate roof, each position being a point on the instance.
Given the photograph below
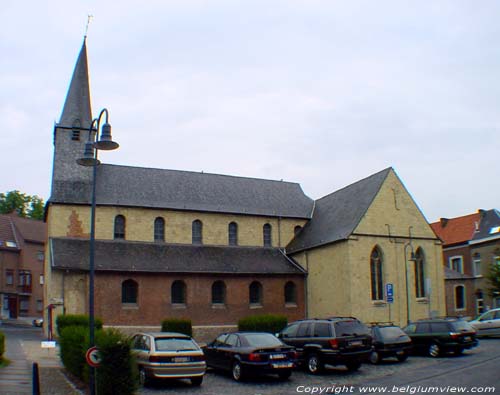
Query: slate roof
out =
(457, 230)
(127, 256)
(337, 215)
(489, 226)
(184, 190)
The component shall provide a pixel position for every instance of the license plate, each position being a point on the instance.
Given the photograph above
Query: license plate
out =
(400, 353)
(467, 338)
(277, 356)
(181, 359)
(356, 343)
(282, 365)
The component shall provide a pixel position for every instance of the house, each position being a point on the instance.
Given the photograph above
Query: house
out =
(216, 248)
(471, 244)
(22, 244)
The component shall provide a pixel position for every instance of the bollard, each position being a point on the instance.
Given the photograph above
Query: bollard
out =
(36, 380)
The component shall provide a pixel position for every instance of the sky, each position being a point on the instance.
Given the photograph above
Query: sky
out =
(319, 92)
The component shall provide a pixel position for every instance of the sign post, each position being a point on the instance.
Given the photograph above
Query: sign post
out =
(389, 296)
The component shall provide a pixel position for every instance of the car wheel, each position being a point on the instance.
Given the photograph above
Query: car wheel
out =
(374, 357)
(237, 371)
(285, 375)
(459, 351)
(143, 377)
(314, 364)
(402, 357)
(353, 366)
(434, 350)
(196, 381)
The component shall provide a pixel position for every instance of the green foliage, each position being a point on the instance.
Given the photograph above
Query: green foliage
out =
(118, 371)
(73, 344)
(271, 323)
(494, 277)
(2, 345)
(63, 321)
(22, 204)
(178, 325)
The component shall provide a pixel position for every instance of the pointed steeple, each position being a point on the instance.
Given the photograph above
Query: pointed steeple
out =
(77, 109)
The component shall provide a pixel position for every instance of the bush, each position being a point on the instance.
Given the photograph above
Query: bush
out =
(271, 323)
(63, 321)
(177, 325)
(2, 345)
(73, 343)
(118, 371)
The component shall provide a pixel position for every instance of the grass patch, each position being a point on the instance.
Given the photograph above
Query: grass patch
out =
(4, 362)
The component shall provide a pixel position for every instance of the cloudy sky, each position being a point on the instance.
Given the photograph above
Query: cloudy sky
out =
(319, 92)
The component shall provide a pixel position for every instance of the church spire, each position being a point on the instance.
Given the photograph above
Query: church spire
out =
(77, 109)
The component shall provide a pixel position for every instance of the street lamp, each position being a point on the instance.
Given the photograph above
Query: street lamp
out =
(93, 144)
(413, 258)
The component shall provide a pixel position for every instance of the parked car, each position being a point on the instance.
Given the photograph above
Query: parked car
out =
(389, 340)
(162, 355)
(245, 353)
(439, 336)
(38, 322)
(487, 324)
(334, 341)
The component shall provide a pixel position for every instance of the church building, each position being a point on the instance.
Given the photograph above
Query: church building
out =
(217, 248)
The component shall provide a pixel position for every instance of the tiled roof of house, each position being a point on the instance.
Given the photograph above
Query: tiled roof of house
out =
(127, 256)
(14, 229)
(337, 215)
(184, 190)
(456, 230)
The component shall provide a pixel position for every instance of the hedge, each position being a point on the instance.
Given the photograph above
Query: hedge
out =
(62, 321)
(177, 325)
(73, 344)
(2, 345)
(271, 323)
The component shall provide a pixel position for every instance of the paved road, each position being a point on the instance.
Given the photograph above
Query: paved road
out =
(478, 367)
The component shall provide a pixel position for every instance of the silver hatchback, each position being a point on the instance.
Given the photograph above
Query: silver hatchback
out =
(487, 324)
(162, 355)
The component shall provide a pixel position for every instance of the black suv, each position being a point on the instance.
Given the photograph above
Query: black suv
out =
(389, 340)
(438, 336)
(334, 341)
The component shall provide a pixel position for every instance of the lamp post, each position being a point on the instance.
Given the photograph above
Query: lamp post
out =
(412, 259)
(89, 158)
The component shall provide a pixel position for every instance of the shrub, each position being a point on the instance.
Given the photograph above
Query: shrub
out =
(117, 373)
(177, 325)
(271, 323)
(2, 345)
(73, 344)
(62, 321)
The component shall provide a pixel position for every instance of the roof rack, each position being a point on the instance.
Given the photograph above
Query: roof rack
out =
(341, 318)
(445, 317)
(382, 323)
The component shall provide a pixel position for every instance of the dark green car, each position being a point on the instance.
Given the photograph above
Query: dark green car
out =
(436, 337)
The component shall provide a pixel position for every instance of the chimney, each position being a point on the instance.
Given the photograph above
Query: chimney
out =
(481, 213)
(443, 221)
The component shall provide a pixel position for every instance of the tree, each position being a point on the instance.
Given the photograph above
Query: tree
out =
(24, 205)
(494, 277)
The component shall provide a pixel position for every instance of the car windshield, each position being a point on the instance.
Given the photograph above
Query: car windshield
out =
(462, 326)
(391, 332)
(262, 340)
(351, 328)
(174, 344)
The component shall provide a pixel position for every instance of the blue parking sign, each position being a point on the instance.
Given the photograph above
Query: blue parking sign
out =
(389, 292)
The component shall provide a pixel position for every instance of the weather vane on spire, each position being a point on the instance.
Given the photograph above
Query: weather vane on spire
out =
(89, 19)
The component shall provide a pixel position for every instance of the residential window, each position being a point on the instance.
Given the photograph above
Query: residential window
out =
(178, 292)
(24, 304)
(420, 274)
(255, 293)
(218, 292)
(267, 235)
(456, 263)
(159, 229)
(197, 232)
(290, 293)
(129, 291)
(24, 278)
(119, 232)
(40, 256)
(479, 302)
(477, 267)
(39, 305)
(376, 274)
(9, 277)
(233, 233)
(459, 297)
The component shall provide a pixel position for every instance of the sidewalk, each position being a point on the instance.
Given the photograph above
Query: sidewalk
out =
(23, 352)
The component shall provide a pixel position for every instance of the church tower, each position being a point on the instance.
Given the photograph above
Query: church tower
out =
(71, 133)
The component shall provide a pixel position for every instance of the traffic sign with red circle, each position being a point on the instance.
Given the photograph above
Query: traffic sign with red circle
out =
(93, 357)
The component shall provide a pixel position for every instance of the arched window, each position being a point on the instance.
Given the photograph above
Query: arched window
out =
(119, 231)
(459, 297)
(290, 293)
(377, 282)
(296, 230)
(232, 231)
(419, 273)
(129, 291)
(178, 292)
(267, 235)
(197, 232)
(255, 293)
(218, 292)
(159, 231)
